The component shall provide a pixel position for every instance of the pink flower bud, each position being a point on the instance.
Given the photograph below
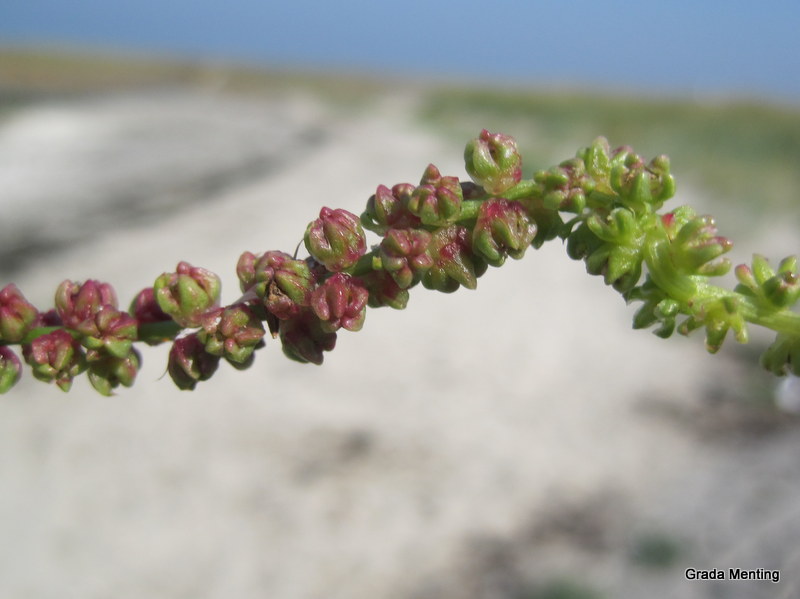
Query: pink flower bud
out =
(503, 228)
(336, 239)
(453, 261)
(187, 293)
(190, 363)
(56, 356)
(111, 330)
(10, 368)
(437, 200)
(233, 333)
(384, 290)
(340, 302)
(77, 303)
(17, 315)
(281, 282)
(493, 161)
(404, 255)
(388, 209)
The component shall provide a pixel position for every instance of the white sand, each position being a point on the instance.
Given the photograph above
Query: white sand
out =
(467, 421)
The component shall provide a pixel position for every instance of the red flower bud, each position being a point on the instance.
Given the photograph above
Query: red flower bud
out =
(187, 293)
(340, 302)
(336, 239)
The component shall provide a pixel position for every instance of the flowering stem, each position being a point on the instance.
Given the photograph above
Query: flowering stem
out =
(444, 233)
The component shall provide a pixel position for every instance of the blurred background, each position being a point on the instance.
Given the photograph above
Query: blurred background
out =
(516, 442)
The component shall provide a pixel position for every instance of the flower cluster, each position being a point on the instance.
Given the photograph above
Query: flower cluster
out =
(442, 233)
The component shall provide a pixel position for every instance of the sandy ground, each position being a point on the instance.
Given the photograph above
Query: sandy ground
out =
(513, 442)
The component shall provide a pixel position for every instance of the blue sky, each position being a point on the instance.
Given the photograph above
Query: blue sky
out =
(681, 47)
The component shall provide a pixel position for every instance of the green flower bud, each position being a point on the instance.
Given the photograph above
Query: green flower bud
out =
(388, 209)
(582, 242)
(10, 368)
(656, 308)
(335, 239)
(779, 289)
(189, 362)
(641, 187)
(696, 247)
(565, 187)
(281, 282)
(718, 315)
(304, 339)
(619, 258)
(502, 228)
(493, 162)
(783, 289)
(56, 356)
(107, 372)
(403, 254)
(78, 303)
(17, 315)
(453, 261)
(549, 223)
(341, 301)
(187, 293)
(783, 356)
(437, 200)
(232, 333)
